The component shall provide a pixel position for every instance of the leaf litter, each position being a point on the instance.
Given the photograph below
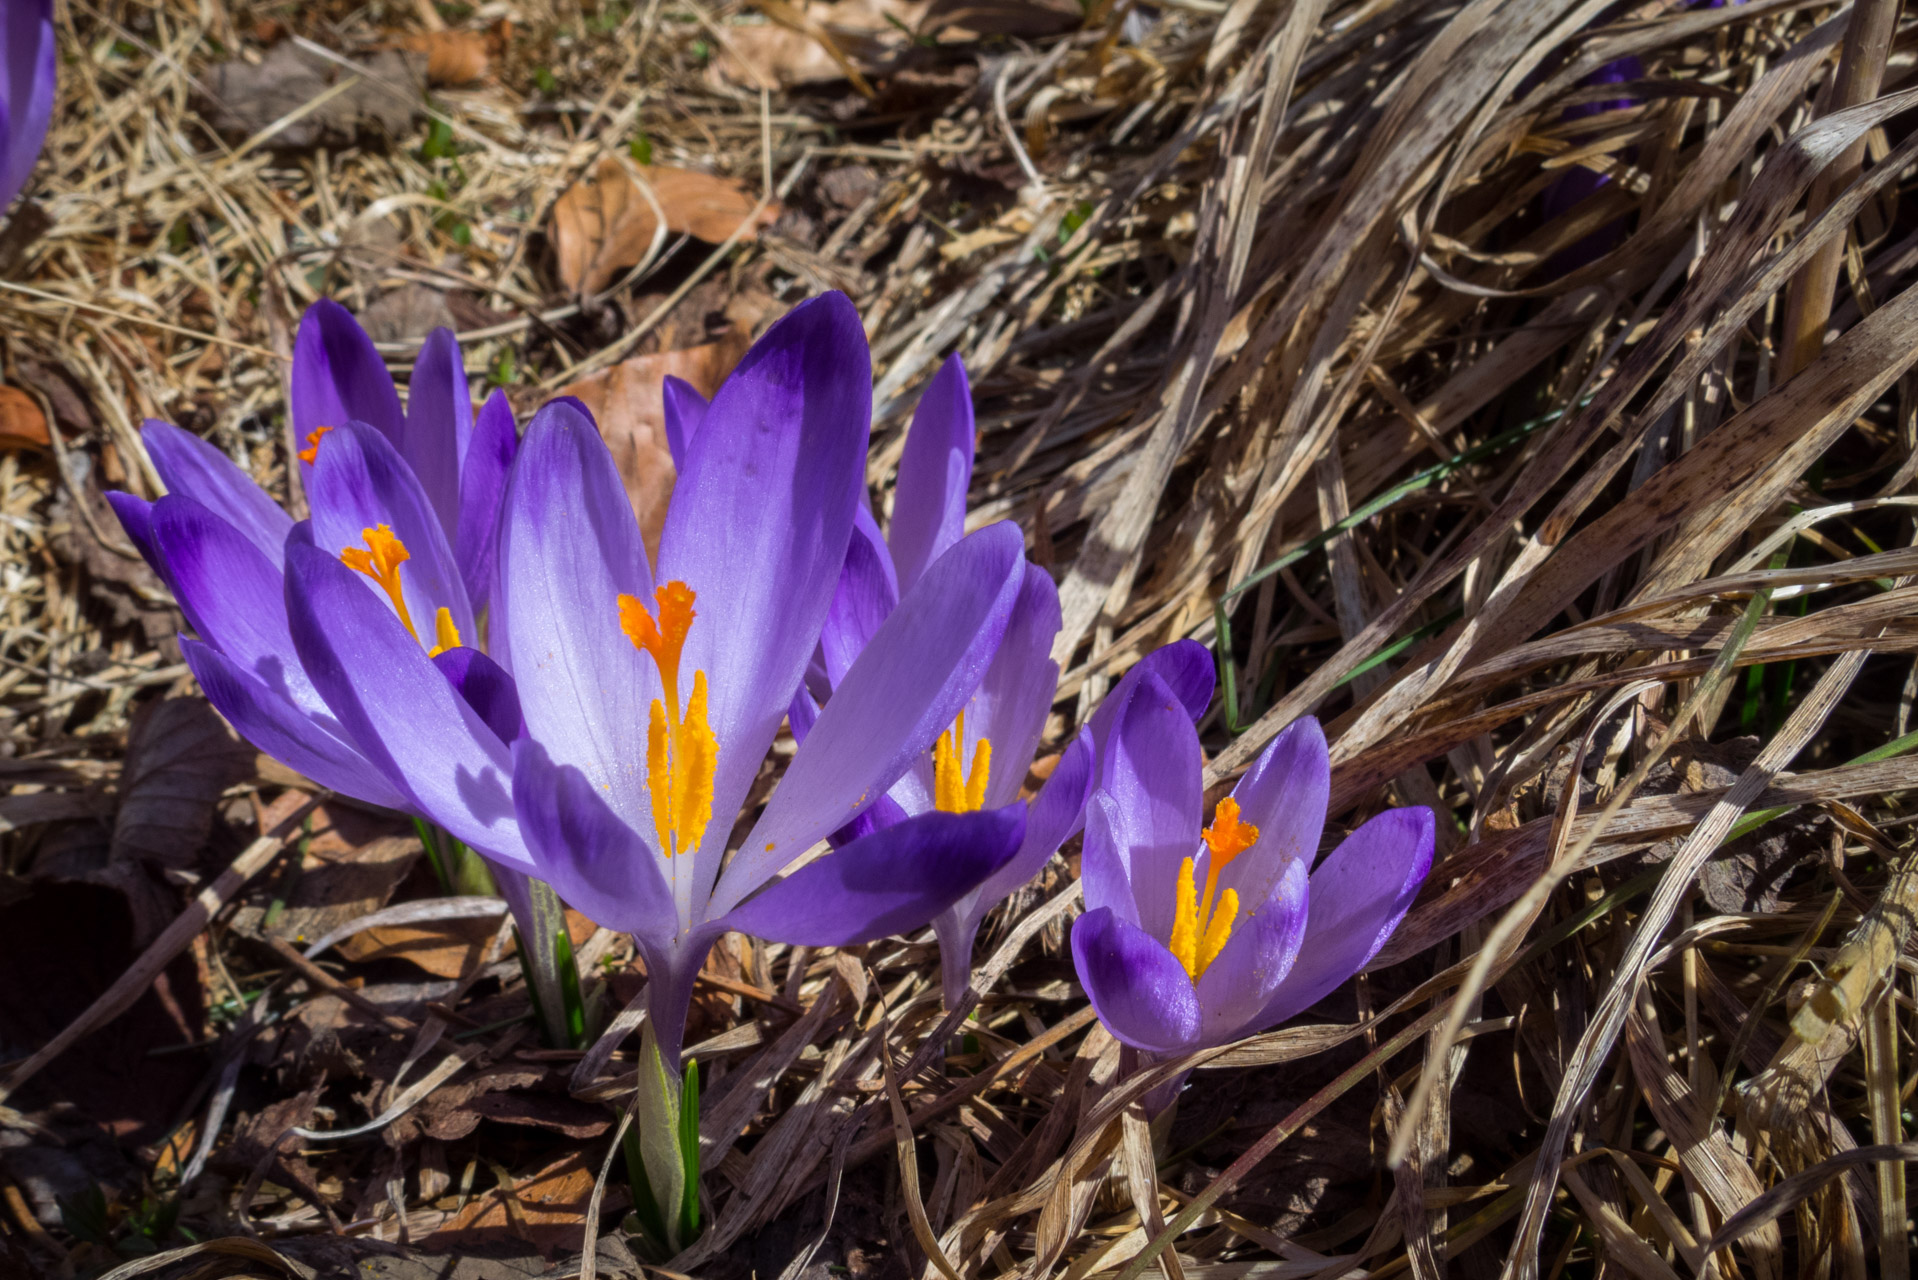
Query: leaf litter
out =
(1596, 541)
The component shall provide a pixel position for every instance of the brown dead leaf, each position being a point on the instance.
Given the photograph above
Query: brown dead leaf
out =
(604, 223)
(181, 756)
(349, 867)
(459, 57)
(383, 98)
(551, 1207)
(22, 424)
(626, 402)
(444, 948)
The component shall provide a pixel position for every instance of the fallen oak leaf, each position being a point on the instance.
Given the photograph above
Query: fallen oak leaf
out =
(606, 222)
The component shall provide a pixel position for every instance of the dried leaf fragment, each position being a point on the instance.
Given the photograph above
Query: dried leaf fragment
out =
(605, 222)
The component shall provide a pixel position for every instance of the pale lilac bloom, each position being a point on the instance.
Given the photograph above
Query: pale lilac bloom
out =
(1194, 938)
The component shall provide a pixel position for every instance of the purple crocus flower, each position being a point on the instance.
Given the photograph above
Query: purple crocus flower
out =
(26, 99)
(1194, 938)
(404, 507)
(651, 698)
(1579, 182)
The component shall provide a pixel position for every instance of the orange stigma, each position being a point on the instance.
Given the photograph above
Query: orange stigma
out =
(381, 560)
(1199, 926)
(681, 751)
(311, 453)
(956, 789)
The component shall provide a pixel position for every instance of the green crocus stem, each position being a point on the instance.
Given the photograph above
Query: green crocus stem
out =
(459, 870)
(542, 931)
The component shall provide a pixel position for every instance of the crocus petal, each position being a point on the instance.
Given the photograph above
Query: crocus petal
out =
(935, 470)
(489, 459)
(439, 425)
(1015, 696)
(685, 411)
(1234, 988)
(892, 881)
(30, 64)
(359, 481)
(486, 687)
(569, 548)
(136, 518)
(1054, 814)
(1135, 985)
(338, 376)
(758, 528)
(231, 596)
(1105, 870)
(1359, 895)
(191, 466)
(899, 696)
(1284, 795)
(1185, 666)
(580, 847)
(864, 599)
(401, 712)
(284, 731)
(1151, 770)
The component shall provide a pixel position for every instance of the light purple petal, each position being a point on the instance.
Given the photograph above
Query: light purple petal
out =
(1105, 870)
(899, 696)
(685, 411)
(339, 378)
(935, 470)
(1185, 666)
(758, 528)
(864, 599)
(288, 734)
(487, 689)
(489, 459)
(1151, 770)
(580, 847)
(439, 425)
(1015, 697)
(358, 482)
(1135, 985)
(892, 881)
(1359, 895)
(231, 596)
(1284, 795)
(1265, 941)
(399, 709)
(30, 64)
(191, 466)
(569, 548)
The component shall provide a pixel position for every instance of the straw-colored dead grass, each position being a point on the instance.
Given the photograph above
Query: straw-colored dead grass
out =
(1598, 543)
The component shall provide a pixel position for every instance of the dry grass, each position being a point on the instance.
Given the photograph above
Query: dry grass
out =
(1604, 553)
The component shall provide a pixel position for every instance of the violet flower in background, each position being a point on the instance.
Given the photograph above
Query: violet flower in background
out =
(980, 760)
(29, 63)
(651, 698)
(1194, 938)
(404, 508)
(1579, 182)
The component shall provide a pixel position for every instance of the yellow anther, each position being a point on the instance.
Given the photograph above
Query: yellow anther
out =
(445, 632)
(681, 752)
(311, 453)
(380, 560)
(956, 789)
(1200, 927)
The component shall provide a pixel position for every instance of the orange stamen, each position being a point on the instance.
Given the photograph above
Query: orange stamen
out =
(955, 788)
(381, 560)
(1200, 927)
(681, 752)
(311, 453)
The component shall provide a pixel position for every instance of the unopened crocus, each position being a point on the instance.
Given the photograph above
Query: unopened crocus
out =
(652, 696)
(26, 99)
(1199, 934)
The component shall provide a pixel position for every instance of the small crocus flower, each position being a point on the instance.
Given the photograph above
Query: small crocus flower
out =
(28, 62)
(979, 761)
(652, 697)
(1199, 934)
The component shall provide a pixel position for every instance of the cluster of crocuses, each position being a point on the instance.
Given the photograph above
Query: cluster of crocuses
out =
(469, 628)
